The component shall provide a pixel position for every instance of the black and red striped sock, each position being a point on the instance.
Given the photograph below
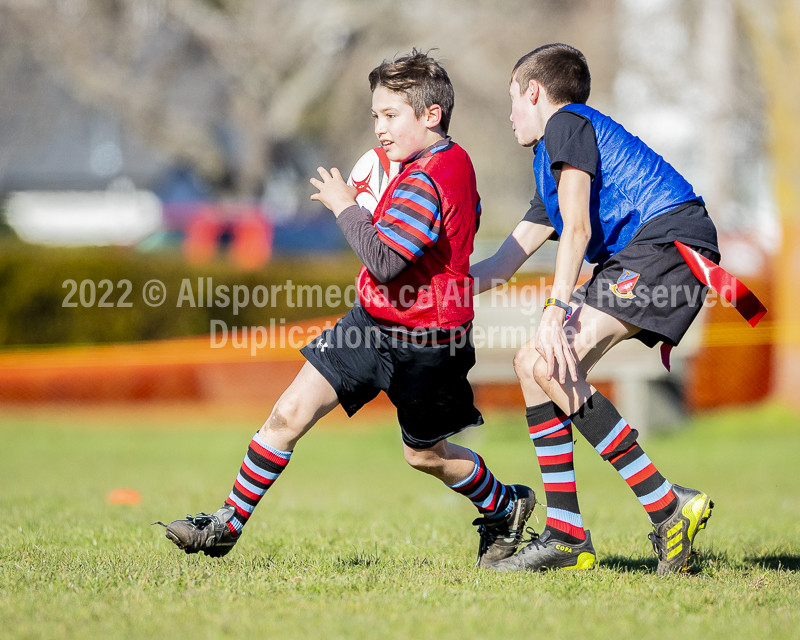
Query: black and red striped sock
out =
(551, 432)
(261, 467)
(490, 496)
(612, 437)
(654, 492)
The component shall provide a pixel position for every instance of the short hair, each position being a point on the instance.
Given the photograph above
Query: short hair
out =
(561, 69)
(420, 79)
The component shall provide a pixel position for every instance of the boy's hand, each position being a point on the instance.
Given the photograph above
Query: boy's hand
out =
(552, 344)
(334, 192)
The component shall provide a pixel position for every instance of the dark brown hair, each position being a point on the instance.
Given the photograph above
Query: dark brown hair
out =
(562, 71)
(420, 79)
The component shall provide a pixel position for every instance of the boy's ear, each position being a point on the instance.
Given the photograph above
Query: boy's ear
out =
(535, 91)
(432, 116)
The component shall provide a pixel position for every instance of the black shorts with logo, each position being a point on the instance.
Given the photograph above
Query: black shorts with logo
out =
(423, 372)
(651, 287)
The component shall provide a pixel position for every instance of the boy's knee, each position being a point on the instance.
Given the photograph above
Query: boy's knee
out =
(285, 418)
(524, 361)
(422, 459)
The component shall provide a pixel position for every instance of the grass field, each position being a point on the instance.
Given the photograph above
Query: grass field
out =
(351, 543)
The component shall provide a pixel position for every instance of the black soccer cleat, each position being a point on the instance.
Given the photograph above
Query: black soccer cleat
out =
(204, 532)
(673, 539)
(544, 552)
(500, 538)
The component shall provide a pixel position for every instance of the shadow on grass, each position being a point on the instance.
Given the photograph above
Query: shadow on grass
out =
(629, 564)
(358, 559)
(775, 561)
(704, 561)
(698, 562)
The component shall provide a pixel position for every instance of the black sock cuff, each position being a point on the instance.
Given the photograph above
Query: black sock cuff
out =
(596, 407)
(595, 418)
(543, 413)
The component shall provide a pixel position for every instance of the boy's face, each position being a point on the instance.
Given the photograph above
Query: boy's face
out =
(399, 131)
(523, 116)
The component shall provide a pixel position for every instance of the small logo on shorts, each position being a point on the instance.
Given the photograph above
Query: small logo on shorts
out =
(625, 284)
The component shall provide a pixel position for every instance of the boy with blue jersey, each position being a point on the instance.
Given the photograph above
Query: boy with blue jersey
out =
(610, 199)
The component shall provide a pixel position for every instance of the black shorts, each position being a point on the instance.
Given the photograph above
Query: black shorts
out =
(651, 287)
(424, 373)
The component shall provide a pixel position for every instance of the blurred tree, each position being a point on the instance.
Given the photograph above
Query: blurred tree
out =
(224, 86)
(774, 28)
(174, 72)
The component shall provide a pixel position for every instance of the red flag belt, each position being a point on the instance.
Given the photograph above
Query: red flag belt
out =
(731, 289)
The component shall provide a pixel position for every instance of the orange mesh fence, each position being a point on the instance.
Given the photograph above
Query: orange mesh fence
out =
(182, 369)
(732, 366)
(734, 363)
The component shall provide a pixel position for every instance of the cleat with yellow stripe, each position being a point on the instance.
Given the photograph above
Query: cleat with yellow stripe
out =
(673, 539)
(544, 552)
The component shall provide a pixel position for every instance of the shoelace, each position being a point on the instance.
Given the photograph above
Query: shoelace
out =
(534, 539)
(488, 536)
(655, 540)
(201, 520)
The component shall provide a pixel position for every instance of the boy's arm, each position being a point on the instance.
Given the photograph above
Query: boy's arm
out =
(574, 189)
(523, 242)
(380, 259)
(410, 225)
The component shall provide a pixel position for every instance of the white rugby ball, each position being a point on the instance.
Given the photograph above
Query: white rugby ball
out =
(370, 176)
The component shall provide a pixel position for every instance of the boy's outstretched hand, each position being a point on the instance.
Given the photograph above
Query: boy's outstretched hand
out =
(334, 192)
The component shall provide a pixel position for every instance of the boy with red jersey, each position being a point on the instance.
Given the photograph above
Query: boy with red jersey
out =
(410, 333)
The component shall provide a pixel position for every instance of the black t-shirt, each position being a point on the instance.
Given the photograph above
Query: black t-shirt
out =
(569, 137)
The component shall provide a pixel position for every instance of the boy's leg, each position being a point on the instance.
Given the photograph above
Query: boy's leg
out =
(346, 364)
(597, 419)
(593, 333)
(504, 509)
(309, 397)
(551, 432)
(305, 401)
(466, 473)
(564, 543)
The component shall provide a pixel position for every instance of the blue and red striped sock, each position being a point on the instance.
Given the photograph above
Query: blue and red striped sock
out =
(490, 496)
(551, 433)
(261, 467)
(615, 441)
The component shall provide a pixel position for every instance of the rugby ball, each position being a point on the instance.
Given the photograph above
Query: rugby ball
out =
(371, 175)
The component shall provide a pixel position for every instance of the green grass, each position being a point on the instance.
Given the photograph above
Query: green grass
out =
(351, 543)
